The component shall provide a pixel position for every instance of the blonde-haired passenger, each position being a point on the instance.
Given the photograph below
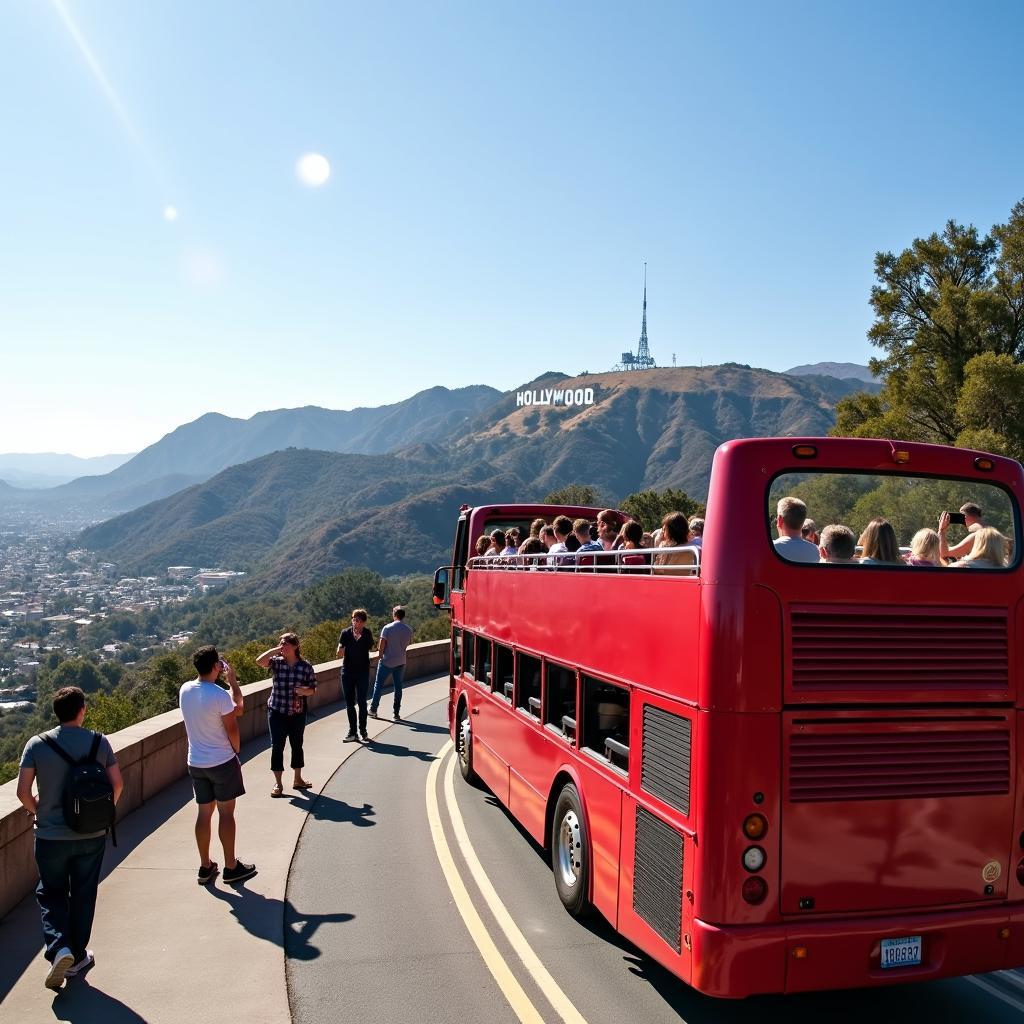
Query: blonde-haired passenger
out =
(989, 550)
(924, 548)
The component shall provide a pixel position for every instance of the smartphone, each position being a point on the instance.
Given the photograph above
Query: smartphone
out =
(957, 518)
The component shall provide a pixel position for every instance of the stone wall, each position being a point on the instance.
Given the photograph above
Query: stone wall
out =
(152, 755)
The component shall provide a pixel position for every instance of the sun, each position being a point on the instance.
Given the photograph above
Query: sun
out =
(313, 169)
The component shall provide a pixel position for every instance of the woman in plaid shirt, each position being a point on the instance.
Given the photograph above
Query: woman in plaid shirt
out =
(294, 681)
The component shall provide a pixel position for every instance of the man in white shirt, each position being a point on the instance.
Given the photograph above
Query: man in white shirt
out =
(791, 545)
(211, 721)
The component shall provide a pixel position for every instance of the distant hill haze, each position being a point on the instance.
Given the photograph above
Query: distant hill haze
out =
(294, 516)
(49, 469)
(843, 371)
(196, 451)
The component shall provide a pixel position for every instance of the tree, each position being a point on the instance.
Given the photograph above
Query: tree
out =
(574, 494)
(335, 597)
(939, 305)
(992, 401)
(650, 507)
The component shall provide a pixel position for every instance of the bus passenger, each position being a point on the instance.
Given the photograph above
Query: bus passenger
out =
(632, 559)
(562, 526)
(511, 542)
(924, 548)
(483, 542)
(838, 545)
(497, 544)
(547, 537)
(878, 544)
(790, 516)
(697, 532)
(989, 550)
(674, 531)
(532, 546)
(809, 531)
(972, 521)
(535, 527)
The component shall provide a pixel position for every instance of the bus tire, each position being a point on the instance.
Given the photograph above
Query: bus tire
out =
(570, 853)
(464, 745)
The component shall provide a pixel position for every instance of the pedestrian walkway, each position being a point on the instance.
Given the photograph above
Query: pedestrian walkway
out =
(169, 950)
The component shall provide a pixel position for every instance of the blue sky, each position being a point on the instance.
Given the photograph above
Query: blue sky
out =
(499, 176)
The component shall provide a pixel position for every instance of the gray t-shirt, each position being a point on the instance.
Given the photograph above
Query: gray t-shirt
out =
(398, 636)
(796, 549)
(52, 772)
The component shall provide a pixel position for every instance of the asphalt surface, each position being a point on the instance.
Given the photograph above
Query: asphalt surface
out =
(388, 944)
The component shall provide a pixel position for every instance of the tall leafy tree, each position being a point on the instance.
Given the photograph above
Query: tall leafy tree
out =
(650, 507)
(941, 303)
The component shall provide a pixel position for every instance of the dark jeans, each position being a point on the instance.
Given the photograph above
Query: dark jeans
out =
(355, 686)
(285, 727)
(69, 875)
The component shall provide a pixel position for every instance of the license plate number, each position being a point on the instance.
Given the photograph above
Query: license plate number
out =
(904, 952)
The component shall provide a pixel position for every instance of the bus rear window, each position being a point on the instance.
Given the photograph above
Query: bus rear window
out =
(888, 520)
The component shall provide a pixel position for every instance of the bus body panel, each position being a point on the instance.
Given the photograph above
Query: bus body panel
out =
(488, 726)
(889, 811)
(736, 758)
(630, 923)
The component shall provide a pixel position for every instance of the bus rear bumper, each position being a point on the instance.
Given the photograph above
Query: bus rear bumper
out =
(734, 962)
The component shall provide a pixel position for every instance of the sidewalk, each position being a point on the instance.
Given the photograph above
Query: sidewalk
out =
(169, 950)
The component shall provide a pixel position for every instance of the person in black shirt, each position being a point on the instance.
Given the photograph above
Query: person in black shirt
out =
(354, 647)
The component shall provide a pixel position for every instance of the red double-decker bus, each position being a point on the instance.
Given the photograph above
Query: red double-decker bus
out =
(770, 775)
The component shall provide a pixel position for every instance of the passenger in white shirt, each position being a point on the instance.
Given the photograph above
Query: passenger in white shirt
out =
(790, 518)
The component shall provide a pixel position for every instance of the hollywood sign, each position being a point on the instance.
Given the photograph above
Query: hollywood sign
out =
(556, 396)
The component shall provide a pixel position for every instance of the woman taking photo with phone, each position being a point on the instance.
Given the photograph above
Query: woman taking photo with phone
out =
(294, 681)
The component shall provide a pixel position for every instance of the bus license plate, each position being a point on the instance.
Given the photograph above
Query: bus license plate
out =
(905, 952)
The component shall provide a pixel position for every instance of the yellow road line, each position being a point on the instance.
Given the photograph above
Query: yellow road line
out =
(517, 998)
(561, 1003)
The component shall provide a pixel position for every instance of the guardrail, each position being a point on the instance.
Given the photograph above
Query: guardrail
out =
(152, 755)
(678, 561)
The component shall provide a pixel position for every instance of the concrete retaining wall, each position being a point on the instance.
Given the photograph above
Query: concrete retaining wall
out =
(152, 755)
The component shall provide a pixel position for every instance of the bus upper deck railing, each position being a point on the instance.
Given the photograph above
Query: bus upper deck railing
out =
(677, 561)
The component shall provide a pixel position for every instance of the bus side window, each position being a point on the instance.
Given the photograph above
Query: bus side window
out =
(606, 722)
(503, 680)
(461, 555)
(456, 652)
(560, 700)
(528, 688)
(469, 654)
(483, 661)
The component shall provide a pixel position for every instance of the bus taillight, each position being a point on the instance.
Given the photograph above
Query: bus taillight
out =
(755, 826)
(754, 890)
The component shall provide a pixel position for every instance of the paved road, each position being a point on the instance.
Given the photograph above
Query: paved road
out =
(389, 944)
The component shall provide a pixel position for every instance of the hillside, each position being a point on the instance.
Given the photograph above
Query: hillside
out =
(651, 428)
(196, 451)
(293, 516)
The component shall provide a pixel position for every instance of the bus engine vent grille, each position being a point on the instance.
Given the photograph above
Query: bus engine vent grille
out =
(658, 877)
(665, 759)
(890, 766)
(885, 648)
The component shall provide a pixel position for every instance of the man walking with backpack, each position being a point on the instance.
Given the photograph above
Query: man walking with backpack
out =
(73, 812)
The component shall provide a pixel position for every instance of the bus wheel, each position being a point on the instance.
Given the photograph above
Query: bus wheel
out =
(464, 745)
(570, 853)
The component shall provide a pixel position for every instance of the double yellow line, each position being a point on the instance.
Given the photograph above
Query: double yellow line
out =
(518, 1000)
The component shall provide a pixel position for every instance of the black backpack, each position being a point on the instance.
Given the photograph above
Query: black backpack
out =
(88, 794)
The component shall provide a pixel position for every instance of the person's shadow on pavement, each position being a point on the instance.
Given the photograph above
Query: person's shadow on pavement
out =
(329, 808)
(79, 1003)
(277, 922)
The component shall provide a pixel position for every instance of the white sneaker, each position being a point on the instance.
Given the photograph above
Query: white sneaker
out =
(60, 966)
(83, 965)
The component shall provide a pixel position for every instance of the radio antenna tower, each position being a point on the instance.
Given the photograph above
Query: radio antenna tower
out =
(643, 352)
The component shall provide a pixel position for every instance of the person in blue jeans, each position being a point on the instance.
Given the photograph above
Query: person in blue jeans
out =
(69, 862)
(394, 639)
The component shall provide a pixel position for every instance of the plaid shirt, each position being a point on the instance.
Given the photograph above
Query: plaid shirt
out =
(286, 678)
